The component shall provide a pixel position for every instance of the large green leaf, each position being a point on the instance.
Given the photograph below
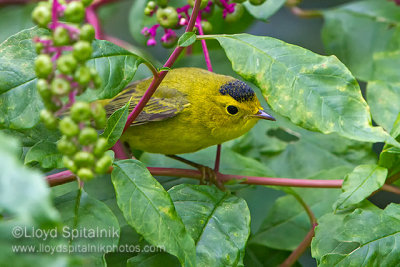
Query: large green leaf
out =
(315, 92)
(94, 222)
(46, 154)
(287, 223)
(116, 67)
(261, 256)
(329, 225)
(20, 103)
(149, 209)
(219, 233)
(115, 125)
(355, 31)
(23, 192)
(153, 260)
(363, 238)
(266, 10)
(360, 184)
(384, 99)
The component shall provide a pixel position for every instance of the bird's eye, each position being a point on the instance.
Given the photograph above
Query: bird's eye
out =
(232, 110)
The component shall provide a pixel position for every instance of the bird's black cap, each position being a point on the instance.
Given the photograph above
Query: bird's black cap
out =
(238, 90)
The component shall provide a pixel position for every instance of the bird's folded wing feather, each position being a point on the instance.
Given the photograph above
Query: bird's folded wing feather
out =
(165, 103)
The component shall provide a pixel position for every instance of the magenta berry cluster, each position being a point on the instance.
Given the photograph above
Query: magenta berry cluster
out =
(171, 19)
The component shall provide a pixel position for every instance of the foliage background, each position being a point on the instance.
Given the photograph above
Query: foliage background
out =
(309, 154)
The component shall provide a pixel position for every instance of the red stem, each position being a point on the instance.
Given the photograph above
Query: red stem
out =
(119, 151)
(300, 249)
(204, 45)
(157, 80)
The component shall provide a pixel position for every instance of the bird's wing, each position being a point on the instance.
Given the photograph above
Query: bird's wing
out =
(166, 103)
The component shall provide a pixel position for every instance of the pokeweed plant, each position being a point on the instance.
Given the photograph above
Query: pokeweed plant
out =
(69, 206)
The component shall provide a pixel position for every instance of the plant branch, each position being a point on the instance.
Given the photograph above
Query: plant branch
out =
(157, 80)
(311, 216)
(92, 18)
(305, 14)
(300, 249)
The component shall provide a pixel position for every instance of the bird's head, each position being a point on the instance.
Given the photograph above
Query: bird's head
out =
(237, 108)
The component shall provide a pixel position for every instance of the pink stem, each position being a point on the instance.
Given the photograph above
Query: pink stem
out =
(157, 80)
(119, 151)
(54, 14)
(91, 17)
(217, 158)
(204, 45)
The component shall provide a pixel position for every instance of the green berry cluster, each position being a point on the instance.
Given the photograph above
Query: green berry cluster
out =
(62, 74)
(84, 151)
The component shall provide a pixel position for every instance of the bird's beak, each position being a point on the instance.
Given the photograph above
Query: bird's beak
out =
(264, 115)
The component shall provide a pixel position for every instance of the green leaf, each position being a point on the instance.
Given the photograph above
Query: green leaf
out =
(355, 31)
(15, 18)
(153, 260)
(85, 213)
(383, 99)
(23, 193)
(266, 10)
(303, 153)
(116, 67)
(20, 103)
(46, 154)
(219, 233)
(287, 223)
(115, 125)
(261, 256)
(188, 38)
(360, 184)
(149, 209)
(315, 92)
(364, 238)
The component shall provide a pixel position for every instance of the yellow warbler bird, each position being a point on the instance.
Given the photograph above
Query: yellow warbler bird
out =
(192, 109)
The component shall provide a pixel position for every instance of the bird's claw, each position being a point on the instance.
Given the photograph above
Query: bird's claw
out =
(209, 176)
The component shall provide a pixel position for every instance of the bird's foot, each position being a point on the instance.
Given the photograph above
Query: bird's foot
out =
(208, 175)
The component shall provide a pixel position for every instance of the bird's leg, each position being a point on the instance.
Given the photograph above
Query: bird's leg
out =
(207, 174)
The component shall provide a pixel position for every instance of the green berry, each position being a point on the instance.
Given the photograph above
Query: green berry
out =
(80, 111)
(48, 119)
(87, 33)
(100, 147)
(84, 159)
(103, 164)
(52, 105)
(44, 89)
(39, 47)
(60, 36)
(206, 26)
(43, 66)
(151, 4)
(203, 3)
(83, 76)
(167, 17)
(162, 3)
(66, 64)
(82, 50)
(69, 164)
(41, 15)
(85, 174)
(147, 11)
(60, 87)
(66, 147)
(74, 12)
(87, 136)
(68, 127)
(236, 15)
(99, 115)
(86, 2)
(256, 2)
(96, 78)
